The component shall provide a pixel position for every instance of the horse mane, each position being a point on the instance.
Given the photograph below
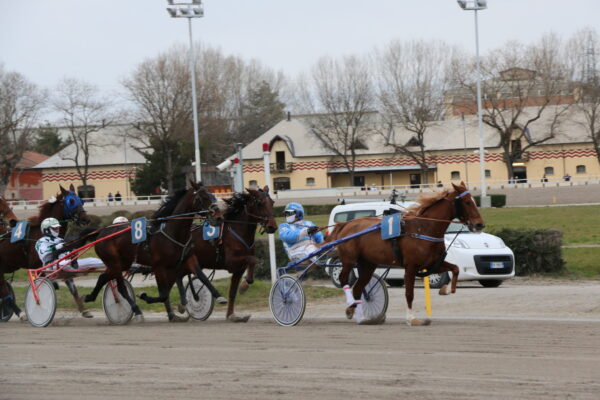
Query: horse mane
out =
(168, 206)
(236, 204)
(45, 209)
(425, 201)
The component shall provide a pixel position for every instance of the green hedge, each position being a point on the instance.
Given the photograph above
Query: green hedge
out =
(536, 250)
(309, 209)
(262, 270)
(498, 200)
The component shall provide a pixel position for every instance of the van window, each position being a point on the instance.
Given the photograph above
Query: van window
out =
(346, 216)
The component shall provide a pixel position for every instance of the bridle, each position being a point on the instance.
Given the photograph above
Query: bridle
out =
(459, 208)
(212, 208)
(72, 206)
(262, 219)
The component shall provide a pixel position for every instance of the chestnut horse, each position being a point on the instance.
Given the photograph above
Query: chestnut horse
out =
(234, 251)
(7, 217)
(166, 250)
(13, 256)
(421, 246)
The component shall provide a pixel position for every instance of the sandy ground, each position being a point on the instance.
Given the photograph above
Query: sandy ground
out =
(528, 339)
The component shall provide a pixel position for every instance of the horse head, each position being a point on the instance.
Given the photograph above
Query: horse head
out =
(466, 209)
(205, 200)
(6, 214)
(72, 206)
(260, 206)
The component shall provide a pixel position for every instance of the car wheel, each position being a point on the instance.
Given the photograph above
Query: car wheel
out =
(491, 283)
(335, 277)
(395, 282)
(436, 281)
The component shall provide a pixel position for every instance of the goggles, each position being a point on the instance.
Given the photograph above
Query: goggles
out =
(289, 212)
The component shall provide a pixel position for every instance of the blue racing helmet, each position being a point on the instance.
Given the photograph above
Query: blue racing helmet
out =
(296, 208)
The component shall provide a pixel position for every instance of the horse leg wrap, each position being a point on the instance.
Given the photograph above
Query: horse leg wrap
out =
(349, 295)
(358, 313)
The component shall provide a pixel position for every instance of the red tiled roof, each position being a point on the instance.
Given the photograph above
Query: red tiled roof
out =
(31, 159)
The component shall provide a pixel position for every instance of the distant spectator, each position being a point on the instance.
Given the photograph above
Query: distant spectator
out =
(373, 187)
(567, 177)
(110, 196)
(118, 196)
(544, 179)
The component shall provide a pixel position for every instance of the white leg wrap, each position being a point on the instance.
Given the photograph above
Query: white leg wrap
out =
(409, 314)
(349, 295)
(358, 313)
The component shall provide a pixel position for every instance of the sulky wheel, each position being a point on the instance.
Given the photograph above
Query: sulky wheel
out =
(40, 314)
(287, 300)
(6, 311)
(375, 298)
(117, 309)
(200, 301)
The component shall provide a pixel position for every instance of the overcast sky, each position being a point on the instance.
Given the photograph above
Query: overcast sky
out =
(102, 41)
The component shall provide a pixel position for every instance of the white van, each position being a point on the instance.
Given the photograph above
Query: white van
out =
(480, 256)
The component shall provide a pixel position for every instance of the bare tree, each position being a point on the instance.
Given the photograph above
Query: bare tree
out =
(584, 56)
(525, 94)
(20, 103)
(340, 97)
(83, 113)
(413, 78)
(160, 89)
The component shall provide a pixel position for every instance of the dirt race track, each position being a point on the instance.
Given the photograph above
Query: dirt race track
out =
(524, 340)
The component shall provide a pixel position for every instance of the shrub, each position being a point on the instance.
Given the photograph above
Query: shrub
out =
(536, 250)
(498, 200)
(262, 270)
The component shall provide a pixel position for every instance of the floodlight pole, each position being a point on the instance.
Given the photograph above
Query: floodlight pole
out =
(189, 11)
(476, 5)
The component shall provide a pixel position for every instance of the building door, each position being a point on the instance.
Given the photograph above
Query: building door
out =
(359, 181)
(520, 173)
(415, 180)
(280, 160)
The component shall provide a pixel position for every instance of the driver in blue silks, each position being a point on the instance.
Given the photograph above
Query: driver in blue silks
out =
(298, 235)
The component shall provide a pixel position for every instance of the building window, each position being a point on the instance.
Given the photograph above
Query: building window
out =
(253, 184)
(549, 170)
(488, 173)
(280, 160)
(310, 181)
(281, 183)
(454, 175)
(580, 169)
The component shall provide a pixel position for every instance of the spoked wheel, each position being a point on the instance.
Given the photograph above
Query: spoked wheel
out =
(335, 274)
(6, 311)
(287, 300)
(200, 308)
(117, 309)
(375, 298)
(40, 314)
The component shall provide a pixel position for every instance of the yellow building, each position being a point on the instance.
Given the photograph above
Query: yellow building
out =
(300, 161)
(112, 162)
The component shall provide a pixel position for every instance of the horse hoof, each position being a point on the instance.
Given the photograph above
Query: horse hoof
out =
(244, 286)
(350, 312)
(444, 291)
(177, 318)
(181, 308)
(418, 322)
(373, 321)
(236, 318)
(137, 319)
(23, 318)
(86, 314)
(221, 300)
(142, 296)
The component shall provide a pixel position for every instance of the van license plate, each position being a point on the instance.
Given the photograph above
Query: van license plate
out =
(497, 265)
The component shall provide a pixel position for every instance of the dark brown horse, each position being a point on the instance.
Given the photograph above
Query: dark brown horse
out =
(65, 207)
(234, 251)
(8, 219)
(166, 250)
(421, 245)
